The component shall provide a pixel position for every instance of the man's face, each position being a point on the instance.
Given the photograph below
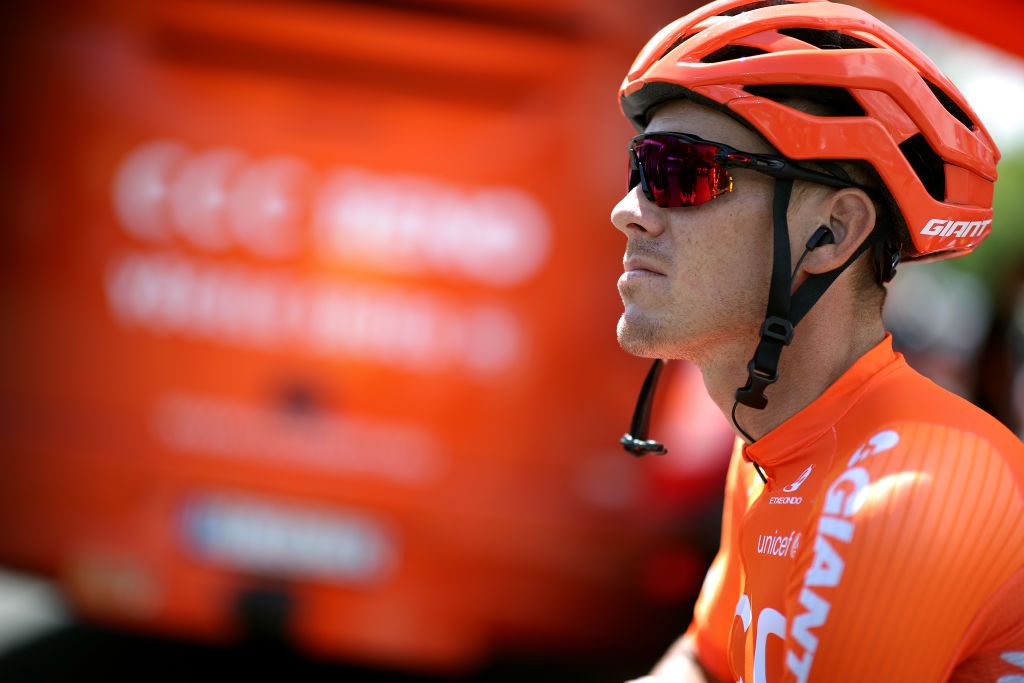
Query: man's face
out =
(711, 263)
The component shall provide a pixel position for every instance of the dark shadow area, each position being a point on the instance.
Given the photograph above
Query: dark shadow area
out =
(86, 653)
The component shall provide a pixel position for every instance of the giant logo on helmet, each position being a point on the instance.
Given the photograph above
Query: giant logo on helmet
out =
(950, 228)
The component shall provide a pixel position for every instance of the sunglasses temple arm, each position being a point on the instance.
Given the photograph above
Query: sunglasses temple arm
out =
(638, 168)
(794, 172)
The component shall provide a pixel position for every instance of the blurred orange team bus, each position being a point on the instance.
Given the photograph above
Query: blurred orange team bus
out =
(309, 317)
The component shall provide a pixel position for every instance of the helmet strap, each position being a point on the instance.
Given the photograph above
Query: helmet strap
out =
(635, 440)
(786, 309)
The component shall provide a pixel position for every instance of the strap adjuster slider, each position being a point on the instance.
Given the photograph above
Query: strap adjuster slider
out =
(777, 329)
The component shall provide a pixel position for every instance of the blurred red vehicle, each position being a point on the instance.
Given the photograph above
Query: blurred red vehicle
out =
(309, 313)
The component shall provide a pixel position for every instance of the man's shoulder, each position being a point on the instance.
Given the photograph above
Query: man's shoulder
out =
(914, 460)
(923, 453)
(926, 419)
(918, 459)
(917, 529)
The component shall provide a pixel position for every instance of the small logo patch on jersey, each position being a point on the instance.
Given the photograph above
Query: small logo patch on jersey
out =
(785, 500)
(778, 545)
(800, 480)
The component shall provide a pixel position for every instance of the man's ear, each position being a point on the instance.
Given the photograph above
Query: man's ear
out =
(850, 215)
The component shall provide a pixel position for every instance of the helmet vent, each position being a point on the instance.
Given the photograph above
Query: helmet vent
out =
(952, 107)
(927, 164)
(752, 6)
(676, 43)
(732, 52)
(834, 101)
(826, 40)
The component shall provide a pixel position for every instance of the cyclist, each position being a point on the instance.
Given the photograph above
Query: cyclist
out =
(873, 528)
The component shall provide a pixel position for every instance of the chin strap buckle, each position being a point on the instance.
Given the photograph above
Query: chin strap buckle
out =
(752, 393)
(763, 368)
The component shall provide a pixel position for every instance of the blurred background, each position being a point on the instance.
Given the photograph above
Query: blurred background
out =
(308, 363)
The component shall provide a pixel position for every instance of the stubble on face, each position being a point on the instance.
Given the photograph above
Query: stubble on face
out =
(648, 318)
(695, 306)
(712, 256)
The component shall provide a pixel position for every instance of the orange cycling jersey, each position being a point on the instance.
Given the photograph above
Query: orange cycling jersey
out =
(887, 544)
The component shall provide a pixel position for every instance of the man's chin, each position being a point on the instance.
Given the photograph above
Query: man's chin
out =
(639, 339)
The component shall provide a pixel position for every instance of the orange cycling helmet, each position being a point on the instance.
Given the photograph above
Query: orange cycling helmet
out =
(889, 106)
(914, 126)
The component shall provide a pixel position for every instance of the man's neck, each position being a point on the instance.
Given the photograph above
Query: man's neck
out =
(821, 351)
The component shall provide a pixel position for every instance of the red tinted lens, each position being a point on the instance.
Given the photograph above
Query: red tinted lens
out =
(681, 173)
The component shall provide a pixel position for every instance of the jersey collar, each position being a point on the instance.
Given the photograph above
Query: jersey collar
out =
(801, 429)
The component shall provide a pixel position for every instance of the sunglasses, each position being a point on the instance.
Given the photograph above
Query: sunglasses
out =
(677, 169)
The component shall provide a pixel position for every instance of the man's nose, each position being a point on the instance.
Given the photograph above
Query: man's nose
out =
(634, 214)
